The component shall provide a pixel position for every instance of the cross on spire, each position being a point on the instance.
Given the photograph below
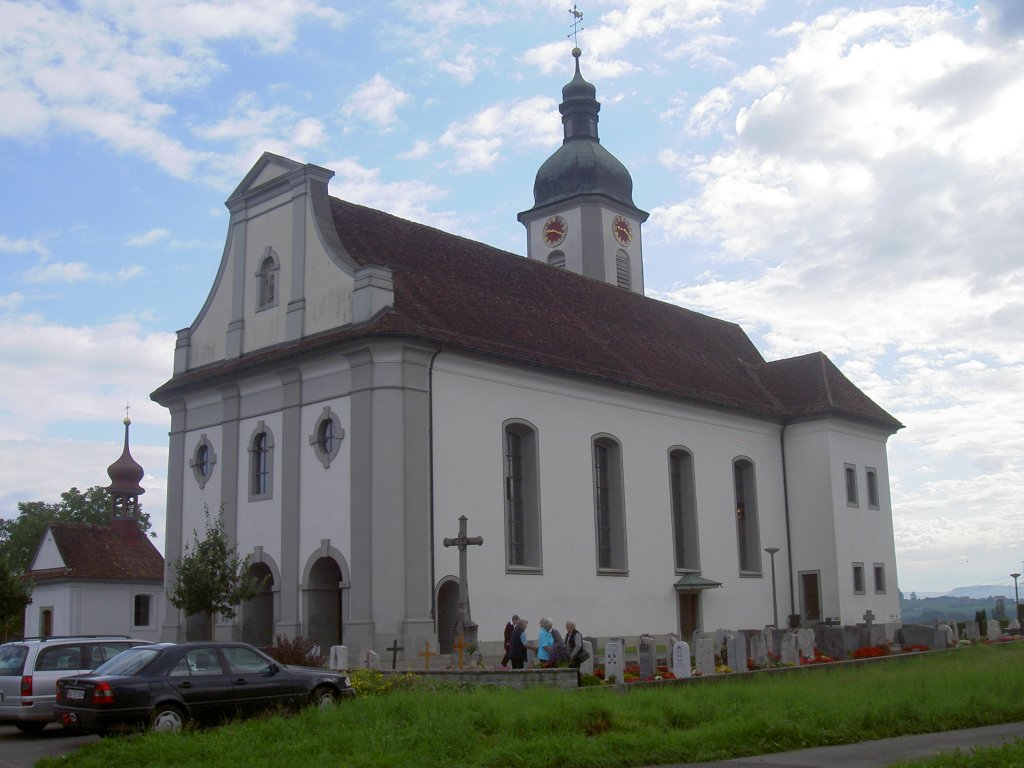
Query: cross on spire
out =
(127, 407)
(577, 25)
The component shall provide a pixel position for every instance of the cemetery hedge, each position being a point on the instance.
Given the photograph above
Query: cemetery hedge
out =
(605, 728)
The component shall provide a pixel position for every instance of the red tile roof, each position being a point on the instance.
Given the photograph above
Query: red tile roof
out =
(98, 552)
(481, 300)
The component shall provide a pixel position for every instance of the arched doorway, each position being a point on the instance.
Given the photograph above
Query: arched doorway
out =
(323, 600)
(258, 613)
(447, 614)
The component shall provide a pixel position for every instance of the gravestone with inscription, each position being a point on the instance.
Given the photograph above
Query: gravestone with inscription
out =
(790, 650)
(971, 631)
(705, 656)
(338, 659)
(645, 653)
(681, 659)
(993, 630)
(736, 650)
(587, 667)
(758, 649)
(369, 659)
(613, 661)
(805, 643)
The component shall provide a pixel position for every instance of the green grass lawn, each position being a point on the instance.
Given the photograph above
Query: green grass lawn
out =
(603, 728)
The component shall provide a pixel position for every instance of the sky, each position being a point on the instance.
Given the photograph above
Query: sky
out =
(846, 178)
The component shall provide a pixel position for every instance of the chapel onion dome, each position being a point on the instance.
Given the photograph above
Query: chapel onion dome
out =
(126, 473)
(581, 166)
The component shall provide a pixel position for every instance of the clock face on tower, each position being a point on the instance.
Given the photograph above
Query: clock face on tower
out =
(622, 230)
(555, 229)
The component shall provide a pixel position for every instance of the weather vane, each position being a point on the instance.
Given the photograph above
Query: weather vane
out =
(577, 25)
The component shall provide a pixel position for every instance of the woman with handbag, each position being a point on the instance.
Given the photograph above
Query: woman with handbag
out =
(574, 642)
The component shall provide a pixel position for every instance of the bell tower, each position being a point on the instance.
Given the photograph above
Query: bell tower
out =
(583, 217)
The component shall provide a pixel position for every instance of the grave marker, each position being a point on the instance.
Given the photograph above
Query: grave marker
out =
(681, 659)
(613, 661)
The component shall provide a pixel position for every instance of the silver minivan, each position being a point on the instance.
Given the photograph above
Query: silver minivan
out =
(30, 668)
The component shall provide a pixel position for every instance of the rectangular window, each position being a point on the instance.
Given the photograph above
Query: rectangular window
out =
(872, 478)
(880, 578)
(850, 472)
(141, 611)
(684, 511)
(747, 535)
(609, 515)
(522, 507)
(858, 578)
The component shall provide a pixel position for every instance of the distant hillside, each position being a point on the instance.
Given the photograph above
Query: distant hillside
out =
(958, 607)
(991, 590)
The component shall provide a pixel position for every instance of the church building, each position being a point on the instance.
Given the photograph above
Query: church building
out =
(355, 383)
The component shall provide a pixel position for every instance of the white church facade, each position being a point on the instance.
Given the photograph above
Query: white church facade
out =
(356, 382)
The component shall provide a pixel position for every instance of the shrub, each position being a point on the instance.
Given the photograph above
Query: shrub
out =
(370, 682)
(299, 651)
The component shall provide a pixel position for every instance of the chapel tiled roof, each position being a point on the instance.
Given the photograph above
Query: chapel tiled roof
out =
(98, 552)
(475, 298)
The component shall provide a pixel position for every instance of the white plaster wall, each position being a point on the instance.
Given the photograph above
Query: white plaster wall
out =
(52, 596)
(828, 534)
(471, 402)
(48, 555)
(270, 225)
(196, 500)
(326, 493)
(208, 342)
(259, 522)
(328, 288)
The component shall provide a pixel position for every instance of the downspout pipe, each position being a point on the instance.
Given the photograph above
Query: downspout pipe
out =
(430, 440)
(785, 508)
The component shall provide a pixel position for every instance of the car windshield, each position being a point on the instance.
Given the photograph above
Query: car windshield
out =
(12, 659)
(128, 662)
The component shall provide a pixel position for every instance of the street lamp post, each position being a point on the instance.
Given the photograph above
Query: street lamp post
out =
(775, 602)
(1016, 596)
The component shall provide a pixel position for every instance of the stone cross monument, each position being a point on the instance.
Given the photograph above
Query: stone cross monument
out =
(464, 624)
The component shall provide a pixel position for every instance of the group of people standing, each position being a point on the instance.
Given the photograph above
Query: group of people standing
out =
(548, 647)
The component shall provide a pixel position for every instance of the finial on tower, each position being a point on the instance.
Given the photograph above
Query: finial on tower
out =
(577, 27)
(126, 420)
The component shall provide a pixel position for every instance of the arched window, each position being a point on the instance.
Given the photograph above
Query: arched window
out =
(556, 259)
(850, 473)
(609, 508)
(684, 510)
(327, 436)
(623, 277)
(261, 463)
(747, 535)
(522, 497)
(266, 280)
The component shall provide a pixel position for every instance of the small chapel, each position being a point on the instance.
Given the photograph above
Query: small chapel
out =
(357, 383)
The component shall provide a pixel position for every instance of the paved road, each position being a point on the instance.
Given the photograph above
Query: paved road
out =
(19, 750)
(874, 754)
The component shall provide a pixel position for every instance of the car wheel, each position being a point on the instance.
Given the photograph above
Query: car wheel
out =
(30, 726)
(167, 717)
(324, 697)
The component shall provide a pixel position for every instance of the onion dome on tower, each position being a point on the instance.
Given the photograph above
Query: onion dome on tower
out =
(125, 477)
(583, 217)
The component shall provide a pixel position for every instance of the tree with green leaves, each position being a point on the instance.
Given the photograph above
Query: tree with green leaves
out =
(19, 536)
(15, 595)
(210, 577)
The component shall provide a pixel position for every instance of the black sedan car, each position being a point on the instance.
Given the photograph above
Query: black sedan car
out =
(166, 685)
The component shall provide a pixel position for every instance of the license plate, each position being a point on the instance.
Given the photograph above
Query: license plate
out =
(74, 694)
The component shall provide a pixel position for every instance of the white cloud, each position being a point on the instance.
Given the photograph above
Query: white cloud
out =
(376, 101)
(148, 238)
(78, 272)
(408, 199)
(120, 60)
(420, 150)
(479, 143)
(22, 245)
(868, 192)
